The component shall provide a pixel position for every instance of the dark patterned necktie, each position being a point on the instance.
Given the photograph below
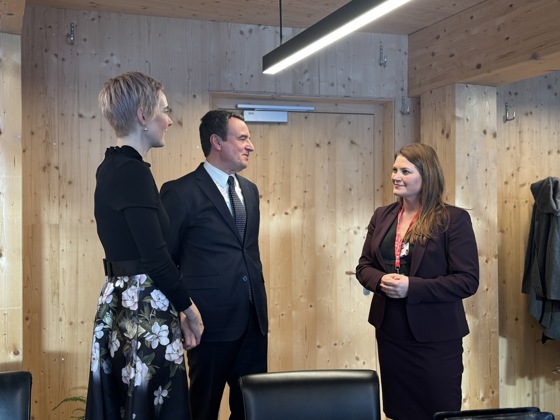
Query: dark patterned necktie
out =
(240, 216)
(239, 213)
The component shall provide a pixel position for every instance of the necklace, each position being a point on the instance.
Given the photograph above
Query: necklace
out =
(399, 239)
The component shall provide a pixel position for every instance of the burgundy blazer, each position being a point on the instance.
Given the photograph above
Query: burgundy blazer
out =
(443, 272)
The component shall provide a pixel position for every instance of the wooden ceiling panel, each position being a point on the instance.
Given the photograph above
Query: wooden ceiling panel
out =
(443, 37)
(409, 18)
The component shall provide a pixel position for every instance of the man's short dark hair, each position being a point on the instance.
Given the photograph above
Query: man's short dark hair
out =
(215, 122)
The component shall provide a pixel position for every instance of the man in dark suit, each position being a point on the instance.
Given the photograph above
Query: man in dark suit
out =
(214, 240)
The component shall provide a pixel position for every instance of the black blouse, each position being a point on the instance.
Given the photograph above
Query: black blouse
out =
(132, 223)
(395, 322)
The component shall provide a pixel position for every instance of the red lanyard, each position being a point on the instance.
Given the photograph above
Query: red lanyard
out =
(399, 240)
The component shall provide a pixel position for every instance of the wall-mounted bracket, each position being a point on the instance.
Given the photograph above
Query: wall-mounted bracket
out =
(382, 58)
(510, 116)
(405, 109)
(71, 36)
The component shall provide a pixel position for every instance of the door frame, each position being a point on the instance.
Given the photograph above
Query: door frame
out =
(328, 105)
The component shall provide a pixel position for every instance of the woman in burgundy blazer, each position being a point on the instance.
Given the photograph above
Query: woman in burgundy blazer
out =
(420, 259)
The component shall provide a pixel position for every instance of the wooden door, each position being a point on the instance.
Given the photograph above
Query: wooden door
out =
(316, 179)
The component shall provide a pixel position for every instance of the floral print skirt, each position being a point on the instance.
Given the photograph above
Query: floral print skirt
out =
(137, 360)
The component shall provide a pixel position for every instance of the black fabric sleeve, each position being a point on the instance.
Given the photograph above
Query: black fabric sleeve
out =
(177, 212)
(146, 230)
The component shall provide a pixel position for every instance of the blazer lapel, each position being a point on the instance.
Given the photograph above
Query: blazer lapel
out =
(382, 230)
(440, 238)
(417, 255)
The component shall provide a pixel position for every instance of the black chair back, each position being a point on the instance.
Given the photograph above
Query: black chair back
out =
(338, 394)
(514, 413)
(15, 395)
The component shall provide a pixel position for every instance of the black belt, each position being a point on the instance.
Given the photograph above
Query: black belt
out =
(122, 268)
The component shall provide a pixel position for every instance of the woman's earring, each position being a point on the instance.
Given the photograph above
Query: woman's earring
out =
(145, 128)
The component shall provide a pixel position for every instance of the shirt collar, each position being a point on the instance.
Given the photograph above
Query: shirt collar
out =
(219, 176)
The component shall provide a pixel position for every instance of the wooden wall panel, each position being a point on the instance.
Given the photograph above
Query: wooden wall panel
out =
(64, 139)
(529, 150)
(493, 165)
(475, 156)
(11, 338)
(459, 121)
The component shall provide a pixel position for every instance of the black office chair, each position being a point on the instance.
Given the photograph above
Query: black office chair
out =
(15, 395)
(514, 413)
(338, 394)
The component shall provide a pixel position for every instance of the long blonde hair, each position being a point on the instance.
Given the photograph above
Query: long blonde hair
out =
(433, 215)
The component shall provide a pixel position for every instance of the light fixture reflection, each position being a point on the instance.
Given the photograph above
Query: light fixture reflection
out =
(349, 18)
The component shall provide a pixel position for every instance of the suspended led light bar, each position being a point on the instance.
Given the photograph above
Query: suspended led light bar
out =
(349, 18)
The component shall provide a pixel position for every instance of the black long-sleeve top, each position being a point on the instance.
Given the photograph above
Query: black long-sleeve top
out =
(132, 223)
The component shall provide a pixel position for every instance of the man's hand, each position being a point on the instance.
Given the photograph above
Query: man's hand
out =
(191, 327)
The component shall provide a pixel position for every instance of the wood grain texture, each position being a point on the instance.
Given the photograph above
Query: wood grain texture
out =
(474, 189)
(64, 140)
(520, 39)
(314, 219)
(529, 150)
(295, 13)
(11, 335)
(459, 121)
(11, 16)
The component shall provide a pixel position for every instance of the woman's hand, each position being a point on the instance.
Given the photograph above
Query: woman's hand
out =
(191, 327)
(394, 285)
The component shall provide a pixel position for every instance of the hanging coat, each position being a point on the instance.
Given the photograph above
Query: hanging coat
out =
(541, 277)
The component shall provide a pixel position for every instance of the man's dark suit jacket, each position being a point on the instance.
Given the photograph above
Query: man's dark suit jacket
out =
(215, 263)
(443, 271)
